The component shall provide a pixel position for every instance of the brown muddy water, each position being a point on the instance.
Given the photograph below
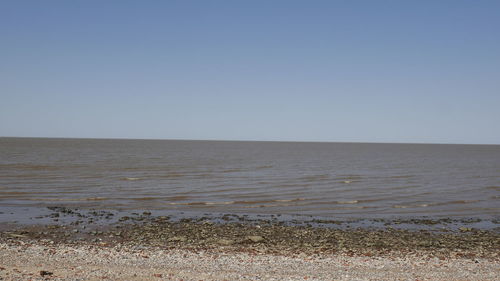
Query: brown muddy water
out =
(363, 180)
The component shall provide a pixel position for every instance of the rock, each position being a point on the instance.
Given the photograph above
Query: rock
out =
(255, 238)
(44, 273)
(146, 213)
(464, 229)
(225, 242)
(177, 239)
(17, 235)
(124, 218)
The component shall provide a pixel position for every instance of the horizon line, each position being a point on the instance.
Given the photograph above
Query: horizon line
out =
(239, 140)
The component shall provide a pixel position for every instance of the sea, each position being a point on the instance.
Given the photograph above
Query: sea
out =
(365, 180)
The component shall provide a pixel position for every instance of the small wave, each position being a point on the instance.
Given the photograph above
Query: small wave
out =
(285, 185)
(462, 202)
(203, 203)
(250, 202)
(349, 177)
(411, 206)
(401, 206)
(402, 176)
(15, 193)
(172, 175)
(348, 202)
(145, 198)
(29, 176)
(315, 177)
(232, 170)
(29, 167)
(447, 203)
(353, 207)
(253, 202)
(289, 200)
(204, 176)
(178, 198)
(193, 203)
(131, 179)
(96, 199)
(68, 199)
(256, 202)
(220, 203)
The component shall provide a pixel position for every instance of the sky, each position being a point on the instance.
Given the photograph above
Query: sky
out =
(337, 71)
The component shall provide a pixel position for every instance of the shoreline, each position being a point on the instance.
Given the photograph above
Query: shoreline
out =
(187, 247)
(235, 233)
(71, 225)
(62, 215)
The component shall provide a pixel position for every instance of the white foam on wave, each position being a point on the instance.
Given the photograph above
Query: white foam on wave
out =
(220, 203)
(348, 202)
(202, 203)
(401, 206)
(131, 179)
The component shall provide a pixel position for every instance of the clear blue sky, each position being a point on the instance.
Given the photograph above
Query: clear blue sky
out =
(363, 71)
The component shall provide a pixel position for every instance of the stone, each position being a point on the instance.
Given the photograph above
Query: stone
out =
(464, 229)
(177, 239)
(45, 273)
(124, 218)
(225, 242)
(17, 235)
(255, 238)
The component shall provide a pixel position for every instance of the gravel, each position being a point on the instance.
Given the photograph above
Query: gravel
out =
(20, 260)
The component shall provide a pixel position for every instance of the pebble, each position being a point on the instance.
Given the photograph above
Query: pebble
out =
(225, 242)
(255, 238)
(177, 239)
(84, 262)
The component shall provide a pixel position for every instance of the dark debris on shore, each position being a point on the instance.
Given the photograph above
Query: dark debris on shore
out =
(236, 233)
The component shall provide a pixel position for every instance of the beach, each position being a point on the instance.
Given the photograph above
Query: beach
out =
(232, 247)
(93, 262)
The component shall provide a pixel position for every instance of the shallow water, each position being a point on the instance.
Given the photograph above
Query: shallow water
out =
(323, 179)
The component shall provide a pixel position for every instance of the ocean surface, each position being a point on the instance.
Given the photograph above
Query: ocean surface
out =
(324, 179)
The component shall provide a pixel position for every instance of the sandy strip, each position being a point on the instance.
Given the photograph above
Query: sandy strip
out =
(25, 261)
